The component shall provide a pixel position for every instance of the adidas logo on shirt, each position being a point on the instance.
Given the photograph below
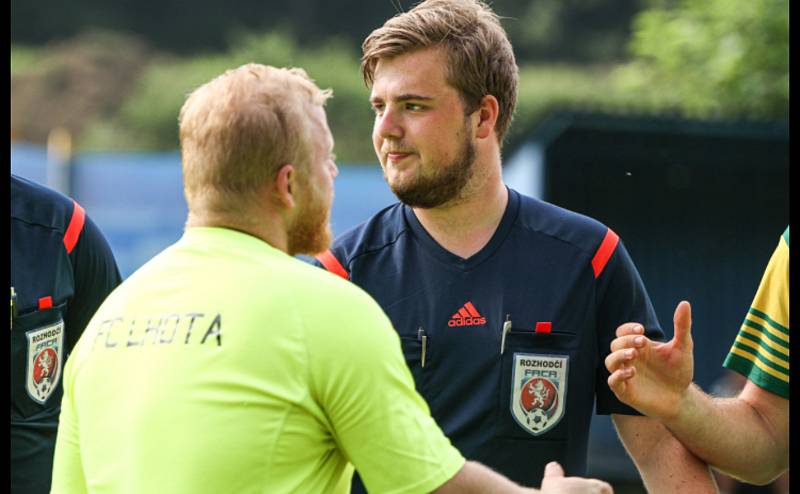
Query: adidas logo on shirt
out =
(467, 315)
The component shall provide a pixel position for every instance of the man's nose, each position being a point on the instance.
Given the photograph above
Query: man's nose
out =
(388, 125)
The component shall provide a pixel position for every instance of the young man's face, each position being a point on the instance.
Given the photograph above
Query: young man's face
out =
(421, 135)
(310, 233)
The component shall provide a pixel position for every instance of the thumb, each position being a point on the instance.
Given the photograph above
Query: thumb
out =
(553, 470)
(683, 324)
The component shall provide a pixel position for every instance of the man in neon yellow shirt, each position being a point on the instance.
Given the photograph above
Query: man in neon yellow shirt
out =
(746, 437)
(226, 365)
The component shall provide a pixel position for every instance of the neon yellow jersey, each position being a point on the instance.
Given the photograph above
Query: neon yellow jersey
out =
(225, 365)
(761, 350)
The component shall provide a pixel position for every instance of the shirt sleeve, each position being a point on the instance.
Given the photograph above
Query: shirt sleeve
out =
(380, 422)
(760, 351)
(96, 275)
(621, 298)
(67, 465)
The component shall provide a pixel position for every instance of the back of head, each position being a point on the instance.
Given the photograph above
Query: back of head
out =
(481, 60)
(237, 130)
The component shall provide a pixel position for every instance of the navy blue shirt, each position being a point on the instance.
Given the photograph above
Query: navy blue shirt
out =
(556, 283)
(61, 271)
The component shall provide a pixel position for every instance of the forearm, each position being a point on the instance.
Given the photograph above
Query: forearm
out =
(666, 466)
(731, 435)
(672, 468)
(477, 478)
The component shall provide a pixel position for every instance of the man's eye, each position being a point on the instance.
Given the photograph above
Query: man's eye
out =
(414, 107)
(378, 109)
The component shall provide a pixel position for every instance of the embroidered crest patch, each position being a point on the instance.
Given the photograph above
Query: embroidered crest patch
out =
(45, 354)
(539, 384)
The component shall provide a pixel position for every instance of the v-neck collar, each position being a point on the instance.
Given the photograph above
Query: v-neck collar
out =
(433, 247)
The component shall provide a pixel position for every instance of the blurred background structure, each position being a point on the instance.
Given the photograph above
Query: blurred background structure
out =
(665, 119)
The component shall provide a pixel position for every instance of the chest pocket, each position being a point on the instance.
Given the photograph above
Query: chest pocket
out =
(534, 388)
(38, 351)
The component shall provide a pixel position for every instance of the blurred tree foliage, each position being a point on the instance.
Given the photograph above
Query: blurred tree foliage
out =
(123, 100)
(118, 92)
(541, 30)
(148, 116)
(132, 102)
(72, 83)
(722, 58)
(151, 87)
(579, 31)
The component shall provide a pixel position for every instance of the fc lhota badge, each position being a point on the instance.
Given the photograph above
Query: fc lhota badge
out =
(539, 391)
(45, 351)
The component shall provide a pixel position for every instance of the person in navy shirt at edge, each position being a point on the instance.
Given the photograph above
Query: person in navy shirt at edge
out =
(61, 271)
(505, 305)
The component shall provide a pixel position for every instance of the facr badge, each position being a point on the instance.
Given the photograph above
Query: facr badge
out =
(539, 384)
(45, 355)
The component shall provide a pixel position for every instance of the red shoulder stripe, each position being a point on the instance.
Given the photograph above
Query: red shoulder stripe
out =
(604, 252)
(75, 227)
(332, 264)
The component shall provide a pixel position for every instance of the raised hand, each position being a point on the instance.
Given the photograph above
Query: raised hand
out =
(650, 376)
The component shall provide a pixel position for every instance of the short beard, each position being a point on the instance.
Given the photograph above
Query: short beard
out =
(311, 232)
(443, 186)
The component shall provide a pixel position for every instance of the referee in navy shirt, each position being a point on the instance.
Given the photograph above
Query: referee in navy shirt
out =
(61, 270)
(505, 305)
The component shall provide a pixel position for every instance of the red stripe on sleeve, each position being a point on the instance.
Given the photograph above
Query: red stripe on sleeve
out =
(75, 227)
(329, 261)
(604, 252)
(45, 303)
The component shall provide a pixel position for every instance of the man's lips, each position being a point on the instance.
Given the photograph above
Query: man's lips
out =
(397, 156)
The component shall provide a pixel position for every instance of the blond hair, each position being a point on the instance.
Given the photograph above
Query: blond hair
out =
(480, 58)
(237, 130)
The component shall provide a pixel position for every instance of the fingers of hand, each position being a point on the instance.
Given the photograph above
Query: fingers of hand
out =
(553, 469)
(630, 328)
(601, 487)
(618, 384)
(629, 341)
(620, 358)
(682, 321)
(604, 488)
(618, 380)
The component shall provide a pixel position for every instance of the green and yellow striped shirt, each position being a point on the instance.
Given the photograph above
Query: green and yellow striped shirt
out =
(761, 350)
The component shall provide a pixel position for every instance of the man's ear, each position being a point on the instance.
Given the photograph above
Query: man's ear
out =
(488, 112)
(285, 186)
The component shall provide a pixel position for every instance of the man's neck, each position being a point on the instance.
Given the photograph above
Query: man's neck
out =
(466, 226)
(262, 227)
